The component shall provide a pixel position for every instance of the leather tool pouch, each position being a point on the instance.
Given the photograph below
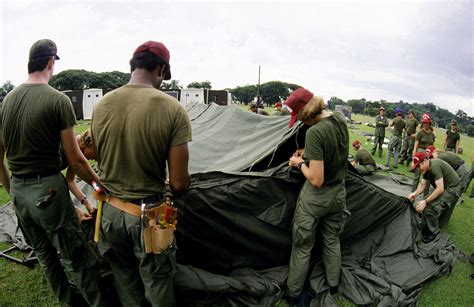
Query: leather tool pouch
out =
(159, 233)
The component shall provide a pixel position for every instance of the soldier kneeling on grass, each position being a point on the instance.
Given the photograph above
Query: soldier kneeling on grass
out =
(363, 161)
(435, 209)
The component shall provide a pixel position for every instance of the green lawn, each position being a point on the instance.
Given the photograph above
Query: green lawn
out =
(21, 286)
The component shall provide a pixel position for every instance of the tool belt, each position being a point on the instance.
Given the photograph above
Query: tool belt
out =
(158, 226)
(158, 223)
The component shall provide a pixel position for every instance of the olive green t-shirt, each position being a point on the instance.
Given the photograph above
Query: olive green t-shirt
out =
(133, 128)
(32, 117)
(328, 141)
(441, 169)
(363, 157)
(453, 159)
(411, 126)
(453, 138)
(425, 139)
(398, 126)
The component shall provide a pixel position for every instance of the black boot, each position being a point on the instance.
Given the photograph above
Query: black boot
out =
(291, 300)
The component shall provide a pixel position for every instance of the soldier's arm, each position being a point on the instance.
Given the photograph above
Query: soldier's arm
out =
(314, 173)
(4, 178)
(419, 189)
(458, 142)
(415, 148)
(75, 158)
(178, 158)
(445, 142)
(437, 192)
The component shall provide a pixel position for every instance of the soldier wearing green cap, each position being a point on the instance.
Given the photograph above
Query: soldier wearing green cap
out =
(453, 138)
(34, 119)
(381, 123)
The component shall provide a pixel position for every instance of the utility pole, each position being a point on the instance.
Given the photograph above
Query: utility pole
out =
(258, 87)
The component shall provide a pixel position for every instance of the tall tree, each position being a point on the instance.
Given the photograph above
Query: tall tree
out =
(334, 101)
(111, 80)
(461, 114)
(73, 79)
(244, 94)
(204, 84)
(79, 79)
(6, 88)
(276, 91)
(358, 105)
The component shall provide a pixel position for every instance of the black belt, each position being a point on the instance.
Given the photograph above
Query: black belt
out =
(148, 200)
(45, 173)
(461, 164)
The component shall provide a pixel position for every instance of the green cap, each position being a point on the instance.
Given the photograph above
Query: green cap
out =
(43, 48)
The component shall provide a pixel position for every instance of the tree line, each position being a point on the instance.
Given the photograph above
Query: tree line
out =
(270, 92)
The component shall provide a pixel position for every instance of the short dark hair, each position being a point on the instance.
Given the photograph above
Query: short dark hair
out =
(38, 64)
(146, 60)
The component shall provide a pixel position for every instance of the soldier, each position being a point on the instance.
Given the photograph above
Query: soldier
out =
(453, 138)
(257, 110)
(409, 140)
(455, 161)
(279, 110)
(395, 144)
(139, 130)
(436, 208)
(379, 136)
(363, 161)
(322, 199)
(34, 120)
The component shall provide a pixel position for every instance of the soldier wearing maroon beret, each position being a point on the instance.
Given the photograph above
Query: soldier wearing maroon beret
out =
(322, 199)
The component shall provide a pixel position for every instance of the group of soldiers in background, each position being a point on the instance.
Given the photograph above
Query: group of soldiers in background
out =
(279, 110)
(445, 171)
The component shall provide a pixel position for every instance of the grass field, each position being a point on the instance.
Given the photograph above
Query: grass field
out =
(21, 286)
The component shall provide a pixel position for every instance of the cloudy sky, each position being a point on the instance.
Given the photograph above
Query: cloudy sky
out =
(415, 51)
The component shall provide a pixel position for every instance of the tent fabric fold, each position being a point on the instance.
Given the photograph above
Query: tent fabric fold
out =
(234, 229)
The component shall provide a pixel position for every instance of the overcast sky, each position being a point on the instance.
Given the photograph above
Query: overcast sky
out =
(415, 51)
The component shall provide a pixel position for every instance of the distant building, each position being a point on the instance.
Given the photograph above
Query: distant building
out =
(199, 95)
(83, 101)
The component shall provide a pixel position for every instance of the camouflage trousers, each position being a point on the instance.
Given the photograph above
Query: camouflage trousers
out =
(365, 170)
(378, 141)
(141, 279)
(393, 149)
(407, 148)
(326, 207)
(438, 212)
(50, 225)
